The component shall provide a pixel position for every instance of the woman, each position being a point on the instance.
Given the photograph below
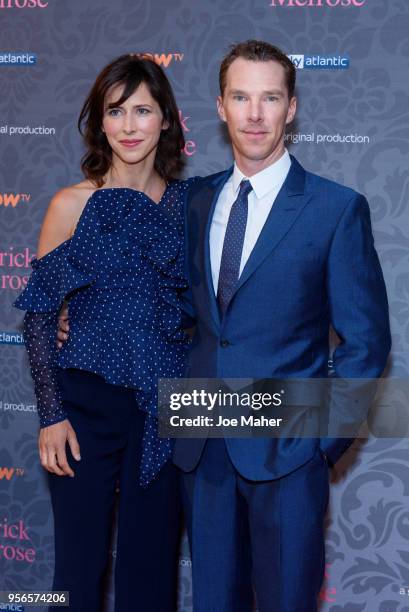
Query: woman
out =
(112, 246)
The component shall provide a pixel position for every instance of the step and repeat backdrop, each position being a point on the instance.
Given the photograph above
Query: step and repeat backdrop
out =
(352, 126)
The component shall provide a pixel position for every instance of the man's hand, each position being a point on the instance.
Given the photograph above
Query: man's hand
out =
(63, 325)
(51, 444)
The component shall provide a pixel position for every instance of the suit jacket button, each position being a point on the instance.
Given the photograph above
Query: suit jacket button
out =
(224, 343)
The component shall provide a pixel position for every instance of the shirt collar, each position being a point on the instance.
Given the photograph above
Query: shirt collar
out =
(267, 179)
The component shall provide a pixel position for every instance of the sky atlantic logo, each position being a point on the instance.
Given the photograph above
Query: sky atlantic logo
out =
(11, 607)
(317, 3)
(17, 59)
(23, 4)
(319, 62)
(11, 337)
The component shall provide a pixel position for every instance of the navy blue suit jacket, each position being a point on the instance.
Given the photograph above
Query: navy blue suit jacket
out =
(314, 265)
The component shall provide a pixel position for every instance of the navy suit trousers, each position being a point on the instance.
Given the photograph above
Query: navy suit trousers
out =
(251, 537)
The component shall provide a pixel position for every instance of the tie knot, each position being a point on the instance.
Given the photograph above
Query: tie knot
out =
(245, 188)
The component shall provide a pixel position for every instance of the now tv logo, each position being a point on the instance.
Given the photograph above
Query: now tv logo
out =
(317, 3)
(12, 199)
(8, 473)
(164, 59)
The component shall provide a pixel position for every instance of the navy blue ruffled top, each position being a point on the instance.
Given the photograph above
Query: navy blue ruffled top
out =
(122, 273)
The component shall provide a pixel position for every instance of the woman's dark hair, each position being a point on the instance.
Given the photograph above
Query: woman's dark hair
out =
(130, 71)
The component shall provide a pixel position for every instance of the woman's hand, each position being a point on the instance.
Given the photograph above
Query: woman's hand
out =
(63, 325)
(52, 442)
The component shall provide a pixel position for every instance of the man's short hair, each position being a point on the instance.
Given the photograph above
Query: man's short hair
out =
(258, 51)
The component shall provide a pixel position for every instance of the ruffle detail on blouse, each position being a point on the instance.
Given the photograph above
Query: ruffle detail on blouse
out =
(133, 358)
(53, 278)
(129, 224)
(164, 250)
(67, 268)
(160, 243)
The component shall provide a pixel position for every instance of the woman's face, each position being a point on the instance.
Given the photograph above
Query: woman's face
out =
(133, 129)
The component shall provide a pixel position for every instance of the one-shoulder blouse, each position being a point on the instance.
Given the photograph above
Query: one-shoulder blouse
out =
(123, 273)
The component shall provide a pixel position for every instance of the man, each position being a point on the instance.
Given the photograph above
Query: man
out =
(275, 255)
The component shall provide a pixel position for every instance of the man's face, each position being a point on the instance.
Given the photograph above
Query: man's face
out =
(256, 108)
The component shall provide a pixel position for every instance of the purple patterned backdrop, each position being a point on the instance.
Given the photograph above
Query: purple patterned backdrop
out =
(352, 126)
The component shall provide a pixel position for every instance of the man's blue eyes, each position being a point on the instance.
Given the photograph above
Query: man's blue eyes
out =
(243, 98)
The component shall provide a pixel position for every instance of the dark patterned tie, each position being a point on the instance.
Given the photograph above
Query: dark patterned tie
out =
(233, 247)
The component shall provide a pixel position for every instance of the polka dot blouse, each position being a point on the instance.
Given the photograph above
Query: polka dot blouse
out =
(122, 273)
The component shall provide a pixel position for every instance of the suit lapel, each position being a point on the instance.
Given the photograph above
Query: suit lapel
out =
(288, 204)
(208, 200)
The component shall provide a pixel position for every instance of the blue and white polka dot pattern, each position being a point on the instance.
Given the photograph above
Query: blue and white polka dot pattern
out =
(122, 273)
(40, 333)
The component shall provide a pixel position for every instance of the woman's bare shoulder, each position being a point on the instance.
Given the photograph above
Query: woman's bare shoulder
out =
(74, 196)
(62, 215)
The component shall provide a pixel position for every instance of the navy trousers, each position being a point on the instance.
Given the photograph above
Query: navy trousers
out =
(109, 428)
(255, 537)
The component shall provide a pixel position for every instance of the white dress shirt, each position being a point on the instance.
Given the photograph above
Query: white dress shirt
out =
(266, 185)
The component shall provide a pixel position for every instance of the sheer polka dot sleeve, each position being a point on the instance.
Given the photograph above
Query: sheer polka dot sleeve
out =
(51, 280)
(40, 330)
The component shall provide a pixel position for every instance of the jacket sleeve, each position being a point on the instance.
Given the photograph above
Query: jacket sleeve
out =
(359, 314)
